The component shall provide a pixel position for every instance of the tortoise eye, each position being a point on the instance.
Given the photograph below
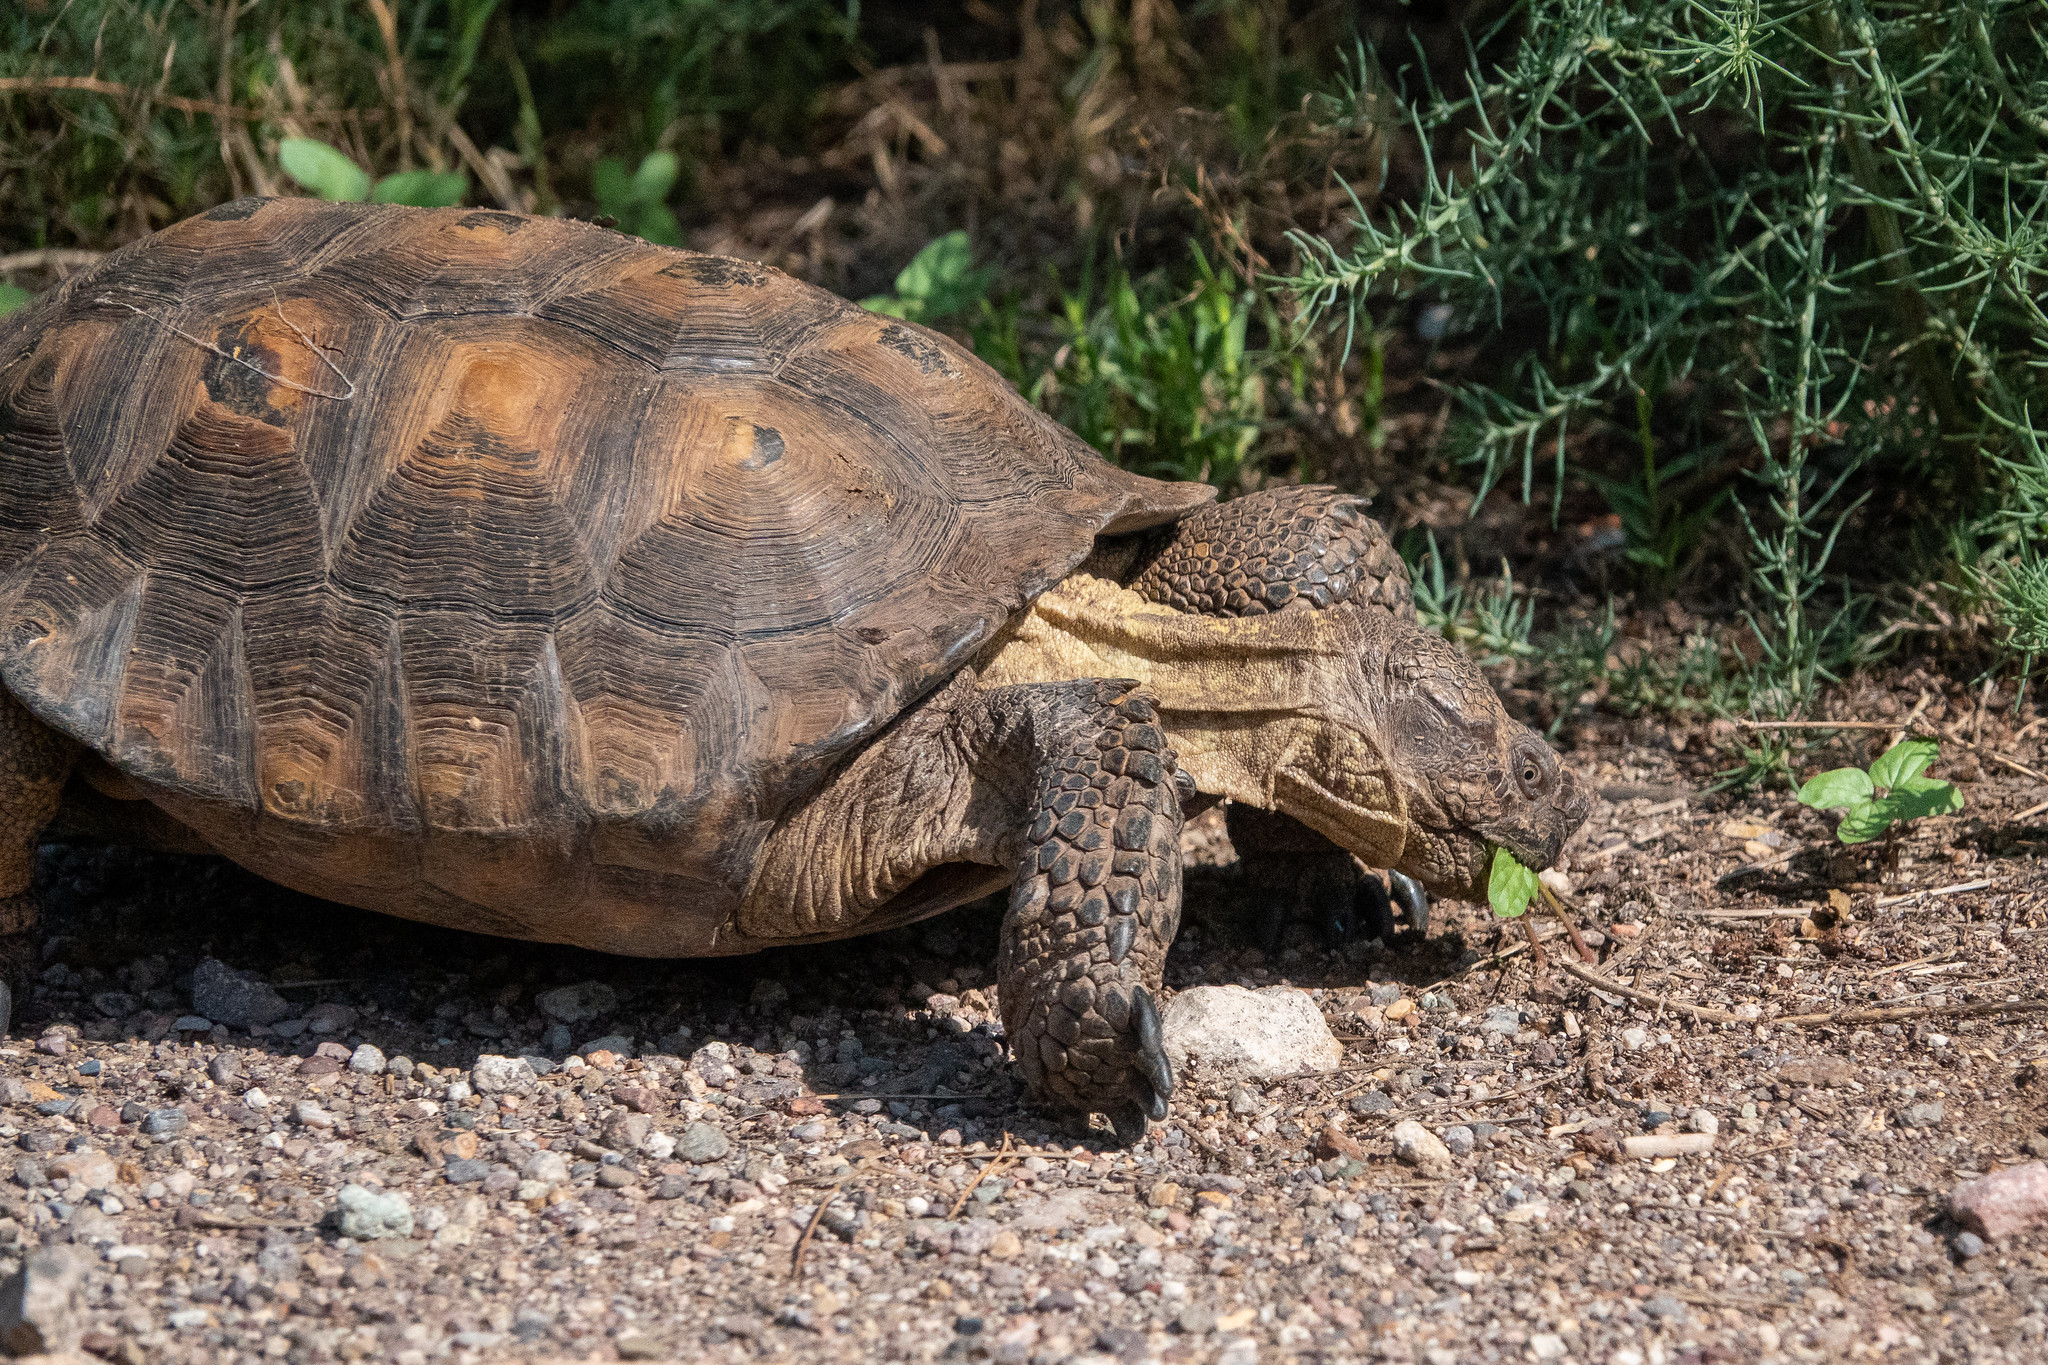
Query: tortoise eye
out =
(1533, 773)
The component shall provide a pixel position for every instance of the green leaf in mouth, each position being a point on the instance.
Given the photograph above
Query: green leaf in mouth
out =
(1510, 886)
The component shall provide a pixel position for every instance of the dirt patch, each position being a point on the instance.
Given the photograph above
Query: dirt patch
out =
(846, 1106)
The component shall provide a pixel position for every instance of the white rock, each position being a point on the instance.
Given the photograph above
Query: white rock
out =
(549, 1168)
(1420, 1148)
(1634, 1038)
(497, 1075)
(86, 1168)
(39, 1304)
(1546, 1346)
(255, 1098)
(365, 1214)
(367, 1060)
(1703, 1121)
(1257, 1035)
(1677, 1144)
(311, 1115)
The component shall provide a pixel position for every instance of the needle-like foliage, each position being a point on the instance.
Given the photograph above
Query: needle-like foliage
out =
(1820, 223)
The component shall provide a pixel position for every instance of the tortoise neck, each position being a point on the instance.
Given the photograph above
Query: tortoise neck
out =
(1265, 710)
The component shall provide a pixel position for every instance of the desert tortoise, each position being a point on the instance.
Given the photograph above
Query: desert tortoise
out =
(516, 575)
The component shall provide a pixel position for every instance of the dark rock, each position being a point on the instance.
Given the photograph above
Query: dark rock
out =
(164, 1122)
(236, 999)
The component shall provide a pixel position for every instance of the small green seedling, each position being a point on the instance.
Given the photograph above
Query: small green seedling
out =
(328, 172)
(638, 202)
(1510, 886)
(939, 281)
(1893, 790)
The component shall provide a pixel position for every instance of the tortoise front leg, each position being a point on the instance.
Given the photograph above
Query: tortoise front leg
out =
(34, 763)
(1070, 788)
(1095, 905)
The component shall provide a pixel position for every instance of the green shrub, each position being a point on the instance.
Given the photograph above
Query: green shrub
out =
(637, 203)
(570, 87)
(940, 282)
(329, 173)
(1164, 380)
(1801, 242)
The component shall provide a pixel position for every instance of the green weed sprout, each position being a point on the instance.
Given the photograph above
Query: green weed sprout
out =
(1891, 791)
(1510, 886)
(939, 281)
(328, 172)
(638, 202)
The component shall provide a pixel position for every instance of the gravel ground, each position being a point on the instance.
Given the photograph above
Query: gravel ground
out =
(650, 1200)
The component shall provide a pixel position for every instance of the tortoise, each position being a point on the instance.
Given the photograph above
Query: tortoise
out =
(513, 574)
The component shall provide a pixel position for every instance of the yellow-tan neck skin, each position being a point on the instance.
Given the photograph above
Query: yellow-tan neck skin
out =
(1263, 710)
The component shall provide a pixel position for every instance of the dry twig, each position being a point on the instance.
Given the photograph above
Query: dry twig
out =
(981, 1175)
(93, 85)
(1593, 978)
(803, 1243)
(1893, 1014)
(50, 258)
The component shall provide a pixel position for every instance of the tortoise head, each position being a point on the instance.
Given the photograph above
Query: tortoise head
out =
(1413, 736)
(1473, 776)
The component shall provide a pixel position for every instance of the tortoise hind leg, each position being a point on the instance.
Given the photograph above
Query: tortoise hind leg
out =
(34, 763)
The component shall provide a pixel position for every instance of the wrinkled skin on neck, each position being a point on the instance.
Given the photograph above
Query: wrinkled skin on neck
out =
(1374, 733)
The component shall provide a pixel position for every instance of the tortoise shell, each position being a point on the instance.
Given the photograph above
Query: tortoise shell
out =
(501, 571)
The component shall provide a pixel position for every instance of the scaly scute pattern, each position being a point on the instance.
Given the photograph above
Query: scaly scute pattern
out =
(501, 571)
(1274, 549)
(1095, 904)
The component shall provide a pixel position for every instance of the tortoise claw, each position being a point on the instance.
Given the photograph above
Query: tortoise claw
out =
(1130, 1123)
(1375, 912)
(1412, 899)
(1331, 908)
(1152, 1060)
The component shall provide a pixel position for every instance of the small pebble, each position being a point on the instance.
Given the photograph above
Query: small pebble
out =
(367, 1060)
(164, 1122)
(1969, 1244)
(700, 1143)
